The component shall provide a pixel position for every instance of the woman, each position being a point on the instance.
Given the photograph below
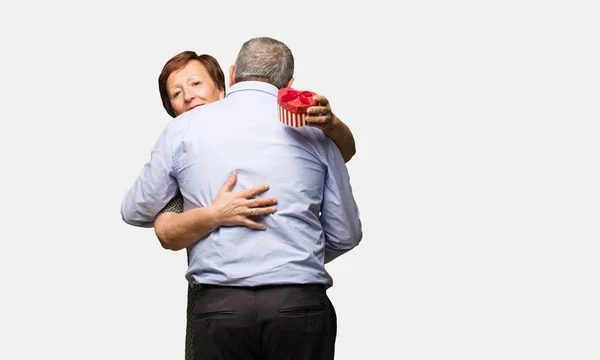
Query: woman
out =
(188, 81)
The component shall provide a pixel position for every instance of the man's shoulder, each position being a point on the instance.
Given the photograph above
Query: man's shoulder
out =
(182, 122)
(312, 134)
(313, 140)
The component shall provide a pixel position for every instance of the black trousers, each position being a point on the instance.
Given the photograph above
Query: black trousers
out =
(282, 322)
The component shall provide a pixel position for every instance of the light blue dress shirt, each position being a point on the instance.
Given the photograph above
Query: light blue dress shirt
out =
(316, 211)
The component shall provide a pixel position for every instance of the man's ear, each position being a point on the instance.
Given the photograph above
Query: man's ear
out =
(231, 75)
(290, 83)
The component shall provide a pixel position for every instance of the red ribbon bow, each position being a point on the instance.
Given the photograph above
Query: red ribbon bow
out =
(293, 94)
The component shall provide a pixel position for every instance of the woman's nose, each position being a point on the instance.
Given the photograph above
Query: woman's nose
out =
(189, 95)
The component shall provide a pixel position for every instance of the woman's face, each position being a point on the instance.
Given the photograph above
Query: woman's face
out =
(191, 86)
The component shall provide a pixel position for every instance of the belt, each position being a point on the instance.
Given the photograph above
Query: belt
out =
(260, 287)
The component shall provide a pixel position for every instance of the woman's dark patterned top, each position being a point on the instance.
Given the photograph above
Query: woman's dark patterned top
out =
(175, 205)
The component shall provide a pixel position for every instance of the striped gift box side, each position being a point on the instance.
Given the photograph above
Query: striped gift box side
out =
(289, 118)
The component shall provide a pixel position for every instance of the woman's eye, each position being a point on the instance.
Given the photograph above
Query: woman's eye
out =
(196, 83)
(176, 94)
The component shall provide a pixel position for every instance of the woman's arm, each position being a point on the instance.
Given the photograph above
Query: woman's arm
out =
(177, 231)
(342, 137)
(321, 117)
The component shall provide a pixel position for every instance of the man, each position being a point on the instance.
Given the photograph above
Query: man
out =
(263, 293)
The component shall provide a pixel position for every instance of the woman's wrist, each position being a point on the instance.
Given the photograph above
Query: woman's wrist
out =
(336, 127)
(213, 217)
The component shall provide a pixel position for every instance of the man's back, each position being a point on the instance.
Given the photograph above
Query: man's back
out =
(304, 169)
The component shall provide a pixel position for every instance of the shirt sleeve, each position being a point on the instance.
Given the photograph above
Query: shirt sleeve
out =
(339, 213)
(155, 185)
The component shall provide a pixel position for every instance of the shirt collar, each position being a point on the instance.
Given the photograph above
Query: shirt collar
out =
(253, 85)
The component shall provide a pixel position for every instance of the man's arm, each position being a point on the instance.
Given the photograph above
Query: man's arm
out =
(339, 212)
(155, 185)
(321, 117)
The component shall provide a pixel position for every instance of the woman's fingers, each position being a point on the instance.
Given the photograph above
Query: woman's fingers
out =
(322, 100)
(253, 203)
(230, 183)
(318, 111)
(317, 121)
(319, 117)
(253, 224)
(253, 191)
(260, 211)
(244, 217)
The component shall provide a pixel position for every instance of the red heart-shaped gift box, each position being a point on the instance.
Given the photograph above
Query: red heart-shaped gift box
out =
(292, 105)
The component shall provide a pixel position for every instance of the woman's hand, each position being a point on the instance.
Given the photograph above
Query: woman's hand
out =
(232, 209)
(321, 117)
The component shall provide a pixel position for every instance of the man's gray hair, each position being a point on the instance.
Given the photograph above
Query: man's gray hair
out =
(265, 59)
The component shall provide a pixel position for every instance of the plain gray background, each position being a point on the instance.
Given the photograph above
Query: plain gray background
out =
(476, 175)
